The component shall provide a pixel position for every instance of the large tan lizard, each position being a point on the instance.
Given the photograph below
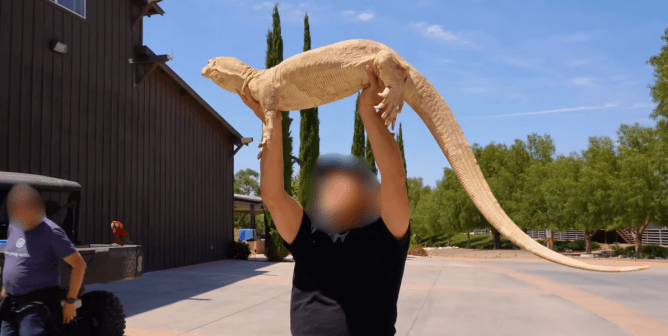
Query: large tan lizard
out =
(333, 72)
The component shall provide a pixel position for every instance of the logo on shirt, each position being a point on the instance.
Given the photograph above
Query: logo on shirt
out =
(20, 242)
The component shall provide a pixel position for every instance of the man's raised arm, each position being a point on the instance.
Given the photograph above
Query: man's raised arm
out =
(395, 208)
(285, 210)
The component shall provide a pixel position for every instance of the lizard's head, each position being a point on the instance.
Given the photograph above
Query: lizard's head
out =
(228, 72)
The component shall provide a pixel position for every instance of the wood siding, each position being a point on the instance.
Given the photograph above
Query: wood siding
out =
(150, 156)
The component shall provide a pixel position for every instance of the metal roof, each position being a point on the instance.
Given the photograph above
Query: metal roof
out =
(242, 203)
(235, 134)
(39, 182)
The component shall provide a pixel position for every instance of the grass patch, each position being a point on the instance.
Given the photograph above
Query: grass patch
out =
(460, 240)
(578, 245)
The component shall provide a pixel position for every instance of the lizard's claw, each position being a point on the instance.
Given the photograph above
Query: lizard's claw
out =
(385, 92)
(391, 105)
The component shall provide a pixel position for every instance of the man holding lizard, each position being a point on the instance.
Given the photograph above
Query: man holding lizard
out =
(348, 269)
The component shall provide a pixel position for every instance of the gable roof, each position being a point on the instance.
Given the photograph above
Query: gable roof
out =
(237, 137)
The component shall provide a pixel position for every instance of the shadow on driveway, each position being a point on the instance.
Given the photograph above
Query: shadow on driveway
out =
(161, 288)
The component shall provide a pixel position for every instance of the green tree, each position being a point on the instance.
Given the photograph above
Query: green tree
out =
(415, 185)
(530, 198)
(400, 143)
(659, 93)
(491, 162)
(274, 56)
(422, 215)
(639, 192)
(295, 185)
(541, 148)
(309, 134)
(533, 206)
(591, 193)
(246, 182)
(357, 148)
(659, 90)
(369, 157)
(458, 212)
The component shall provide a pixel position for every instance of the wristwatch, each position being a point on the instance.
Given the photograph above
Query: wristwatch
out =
(70, 300)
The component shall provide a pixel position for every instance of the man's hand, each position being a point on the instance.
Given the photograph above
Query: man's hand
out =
(78, 270)
(252, 103)
(69, 312)
(370, 96)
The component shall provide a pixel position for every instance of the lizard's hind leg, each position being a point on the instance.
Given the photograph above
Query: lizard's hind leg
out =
(394, 77)
(267, 130)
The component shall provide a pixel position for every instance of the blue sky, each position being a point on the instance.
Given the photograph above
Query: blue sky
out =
(570, 69)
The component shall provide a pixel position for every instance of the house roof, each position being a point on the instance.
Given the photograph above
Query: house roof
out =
(242, 203)
(236, 136)
(207, 107)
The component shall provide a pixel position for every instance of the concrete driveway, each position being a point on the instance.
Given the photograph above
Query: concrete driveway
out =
(439, 296)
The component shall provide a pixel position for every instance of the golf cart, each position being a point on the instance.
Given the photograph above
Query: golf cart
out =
(98, 312)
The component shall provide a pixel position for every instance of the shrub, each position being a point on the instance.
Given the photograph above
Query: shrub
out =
(417, 250)
(578, 245)
(277, 251)
(239, 250)
(647, 250)
(655, 250)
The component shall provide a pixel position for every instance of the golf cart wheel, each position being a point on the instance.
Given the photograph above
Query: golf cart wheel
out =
(104, 312)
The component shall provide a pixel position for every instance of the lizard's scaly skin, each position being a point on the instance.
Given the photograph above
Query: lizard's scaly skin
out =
(330, 73)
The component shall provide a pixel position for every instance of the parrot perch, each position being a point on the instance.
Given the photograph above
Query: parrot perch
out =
(122, 236)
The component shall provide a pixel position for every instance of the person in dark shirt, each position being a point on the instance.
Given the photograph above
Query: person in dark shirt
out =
(351, 242)
(31, 274)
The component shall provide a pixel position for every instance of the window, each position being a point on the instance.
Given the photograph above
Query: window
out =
(76, 6)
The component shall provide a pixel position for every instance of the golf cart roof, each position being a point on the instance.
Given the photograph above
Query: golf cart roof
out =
(39, 182)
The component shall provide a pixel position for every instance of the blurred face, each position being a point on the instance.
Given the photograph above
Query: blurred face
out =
(26, 214)
(344, 201)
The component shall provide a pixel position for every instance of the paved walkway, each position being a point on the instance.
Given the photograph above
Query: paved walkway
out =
(439, 296)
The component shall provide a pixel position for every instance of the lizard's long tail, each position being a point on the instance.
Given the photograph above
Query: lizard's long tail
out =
(434, 111)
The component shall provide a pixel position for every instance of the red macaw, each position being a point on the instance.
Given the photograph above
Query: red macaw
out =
(122, 237)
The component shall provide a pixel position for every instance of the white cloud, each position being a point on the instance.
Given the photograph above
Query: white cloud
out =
(569, 109)
(584, 81)
(358, 15)
(618, 77)
(438, 33)
(365, 16)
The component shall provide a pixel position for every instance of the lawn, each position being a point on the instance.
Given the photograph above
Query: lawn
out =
(460, 240)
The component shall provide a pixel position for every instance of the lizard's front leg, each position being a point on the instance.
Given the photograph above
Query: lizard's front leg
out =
(270, 108)
(267, 130)
(394, 77)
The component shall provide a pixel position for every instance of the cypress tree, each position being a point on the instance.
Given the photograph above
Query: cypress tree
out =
(400, 143)
(274, 56)
(369, 157)
(357, 148)
(309, 133)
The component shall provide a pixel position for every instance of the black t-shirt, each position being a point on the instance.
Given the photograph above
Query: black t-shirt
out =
(346, 283)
